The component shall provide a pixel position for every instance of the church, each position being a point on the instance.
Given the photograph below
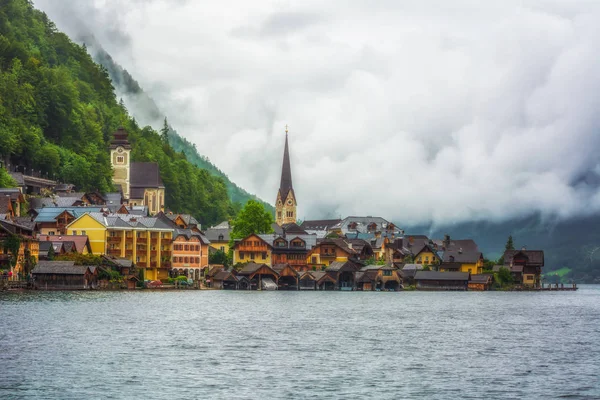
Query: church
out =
(285, 205)
(139, 182)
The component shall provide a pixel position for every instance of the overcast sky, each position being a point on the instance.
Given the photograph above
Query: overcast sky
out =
(417, 111)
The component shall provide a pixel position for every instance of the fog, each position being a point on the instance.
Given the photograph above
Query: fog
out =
(420, 112)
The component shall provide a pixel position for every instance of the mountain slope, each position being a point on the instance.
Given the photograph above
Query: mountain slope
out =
(58, 110)
(150, 113)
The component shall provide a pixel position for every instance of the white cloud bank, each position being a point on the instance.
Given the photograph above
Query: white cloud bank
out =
(419, 111)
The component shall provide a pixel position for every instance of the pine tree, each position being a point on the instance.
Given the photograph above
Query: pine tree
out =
(164, 132)
(509, 244)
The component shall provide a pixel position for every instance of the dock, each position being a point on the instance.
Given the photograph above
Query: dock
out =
(558, 287)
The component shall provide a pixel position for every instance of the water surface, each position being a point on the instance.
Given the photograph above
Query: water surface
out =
(220, 344)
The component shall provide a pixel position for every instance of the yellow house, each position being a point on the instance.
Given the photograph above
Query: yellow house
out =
(463, 261)
(252, 249)
(427, 256)
(330, 250)
(146, 241)
(219, 236)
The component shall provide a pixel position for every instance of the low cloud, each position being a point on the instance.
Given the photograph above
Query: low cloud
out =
(422, 112)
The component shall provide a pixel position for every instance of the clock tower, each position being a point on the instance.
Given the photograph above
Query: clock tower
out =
(285, 205)
(120, 152)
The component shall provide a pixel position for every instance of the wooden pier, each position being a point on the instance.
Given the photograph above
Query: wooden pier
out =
(558, 287)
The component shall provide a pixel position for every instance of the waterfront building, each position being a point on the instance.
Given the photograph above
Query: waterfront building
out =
(327, 251)
(427, 255)
(140, 182)
(53, 220)
(63, 275)
(252, 248)
(285, 203)
(378, 277)
(190, 253)
(67, 243)
(463, 261)
(292, 250)
(28, 250)
(147, 241)
(526, 265)
(435, 280)
(288, 277)
(481, 282)
(260, 276)
(344, 273)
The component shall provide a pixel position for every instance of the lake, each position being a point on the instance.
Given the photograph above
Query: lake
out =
(332, 345)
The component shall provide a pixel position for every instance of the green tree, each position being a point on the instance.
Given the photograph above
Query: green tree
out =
(164, 132)
(219, 257)
(6, 180)
(253, 218)
(509, 244)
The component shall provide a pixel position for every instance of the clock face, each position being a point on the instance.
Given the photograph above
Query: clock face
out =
(120, 150)
(289, 202)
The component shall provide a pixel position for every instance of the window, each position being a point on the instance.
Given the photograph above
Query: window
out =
(120, 160)
(74, 232)
(313, 260)
(83, 233)
(241, 255)
(252, 256)
(197, 248)
(222, 248)
(278, 214)
(186, 247)
(186, 260)
(220, 237)
(387, 272)
(264, 256)
(51, 233)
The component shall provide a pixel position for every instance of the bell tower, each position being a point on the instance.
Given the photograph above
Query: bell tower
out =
(285, 205)
(120, 152)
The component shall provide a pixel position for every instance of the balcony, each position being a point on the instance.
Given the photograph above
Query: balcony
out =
(153, 264)
(114, 239)
(142, 264)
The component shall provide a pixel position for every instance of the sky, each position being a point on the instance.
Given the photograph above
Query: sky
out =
(418, 111)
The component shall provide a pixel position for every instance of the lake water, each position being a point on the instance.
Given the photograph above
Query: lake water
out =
(221, 344)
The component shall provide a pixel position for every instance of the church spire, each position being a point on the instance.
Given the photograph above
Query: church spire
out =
(285, 206)
(286, 170)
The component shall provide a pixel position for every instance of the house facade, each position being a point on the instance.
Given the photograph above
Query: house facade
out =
(253, 249)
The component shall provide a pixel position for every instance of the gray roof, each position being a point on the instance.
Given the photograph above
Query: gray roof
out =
(481, 278)
(145, 175)
(188, 233)
(319, 224)
(59, 267)
(413, 267)
(213, 234)
(362, 224)
(535, 257)
(310, 240)
(130, 221)
(337, 266)
(470, 257)
(441, 276)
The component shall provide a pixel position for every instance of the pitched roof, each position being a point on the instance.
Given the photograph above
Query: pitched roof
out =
(319, 224)
(441, 276)
(224, 275)
(285, 185)
(25, 222)
(414, 267)
(213, 234)
(535, 257)
(130, 221)
(362, 224)
(80, 241)
(188, 234)
(14, 193)
(49, 214)
(340, 243)
(481, 278)
(6, 205)
(469, 257)
(145, 175)
(59, 267)
(251, 268)
(338, 266)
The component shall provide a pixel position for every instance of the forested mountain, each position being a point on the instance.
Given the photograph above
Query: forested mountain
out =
(58, 110)
(571, 247)
(148, 110)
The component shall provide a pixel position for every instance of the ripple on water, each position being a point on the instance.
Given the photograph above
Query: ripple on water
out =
(214, 344)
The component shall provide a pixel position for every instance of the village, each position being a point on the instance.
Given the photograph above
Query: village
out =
(69, 240)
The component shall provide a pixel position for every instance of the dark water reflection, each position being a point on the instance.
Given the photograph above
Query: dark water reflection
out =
(215, 344)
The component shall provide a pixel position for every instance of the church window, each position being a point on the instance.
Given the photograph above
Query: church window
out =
(278, 214)
(120, 160)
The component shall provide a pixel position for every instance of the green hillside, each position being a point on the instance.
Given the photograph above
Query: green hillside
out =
(58, 110)
(123, 80)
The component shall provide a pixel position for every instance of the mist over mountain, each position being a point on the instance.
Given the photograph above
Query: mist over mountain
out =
(464, 119)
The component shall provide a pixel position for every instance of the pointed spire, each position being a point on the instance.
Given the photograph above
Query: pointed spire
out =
(286, 171)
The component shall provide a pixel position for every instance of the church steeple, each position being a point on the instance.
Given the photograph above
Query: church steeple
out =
(285, 206)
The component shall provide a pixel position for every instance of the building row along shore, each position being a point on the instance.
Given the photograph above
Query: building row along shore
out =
(54, 237)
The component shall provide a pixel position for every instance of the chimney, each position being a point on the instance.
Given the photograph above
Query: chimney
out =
(446, 241)
(524, 248)
(349, 245)
(460, 251)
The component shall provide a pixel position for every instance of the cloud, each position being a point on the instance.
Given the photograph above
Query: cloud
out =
(422, 112)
